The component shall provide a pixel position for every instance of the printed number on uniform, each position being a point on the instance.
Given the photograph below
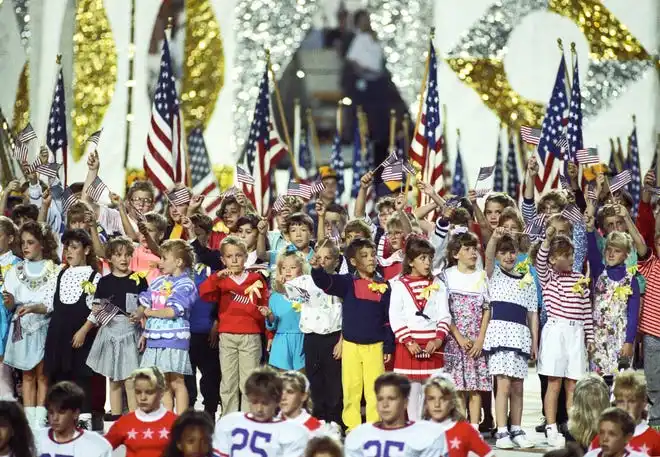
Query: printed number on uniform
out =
(255, 441)
(45, 454)
(383, 449)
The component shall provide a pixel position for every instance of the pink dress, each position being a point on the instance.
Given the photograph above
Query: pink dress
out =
(145, 261)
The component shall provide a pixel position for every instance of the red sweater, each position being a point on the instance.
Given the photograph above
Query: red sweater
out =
(236, 312)
(142, 438)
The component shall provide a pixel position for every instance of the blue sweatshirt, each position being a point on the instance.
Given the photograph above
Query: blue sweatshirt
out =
(365, 313)
(202, 313)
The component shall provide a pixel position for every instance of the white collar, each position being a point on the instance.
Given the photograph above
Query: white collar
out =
(640, 428)
(152, 416)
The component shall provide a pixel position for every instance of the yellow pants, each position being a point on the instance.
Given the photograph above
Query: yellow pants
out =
(361, 364)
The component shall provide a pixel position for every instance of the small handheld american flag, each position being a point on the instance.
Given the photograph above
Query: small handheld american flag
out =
(24, 137)
(535, 228)
(243, 176)
(620, 180)
(50, 169)
(104, 311)
(279, 204)
(242, 299)
(68, 199)
(530, 135)
(317, 187)
(572, 213)
(300, 190)
(408, 167)
(485, 172)
(393, 172)
(95, 137)
(179, 197)
(588, 156)
(482, 192)
(96, 189)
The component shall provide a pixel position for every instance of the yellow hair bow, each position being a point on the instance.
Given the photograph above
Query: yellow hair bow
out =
(426, 291)
(622, 292)
(526, 280)
(296, 306)
(378, 287)
(579, 286)
(137, 275)
(254, 290)
(88, 287)
(632, 269)
(167, 288)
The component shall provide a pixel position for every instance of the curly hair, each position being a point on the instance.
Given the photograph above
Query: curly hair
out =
(590, 399)
(44, 235)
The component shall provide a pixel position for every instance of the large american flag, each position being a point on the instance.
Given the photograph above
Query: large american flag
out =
(264, 150)
(201, 174)
(337, 163)
(427, 142)
(163, 158)
(56, 136)
(635, 186)
(574, 128)
(458, 184)
(498, 180)
(552, 130)
(512, 182)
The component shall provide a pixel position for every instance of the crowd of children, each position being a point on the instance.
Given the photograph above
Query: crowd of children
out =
(456, 297)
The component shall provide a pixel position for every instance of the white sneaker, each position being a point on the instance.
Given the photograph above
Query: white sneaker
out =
(520, 439)
(503, 441)
(555, 439)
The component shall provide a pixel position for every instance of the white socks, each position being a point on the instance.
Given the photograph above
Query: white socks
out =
(415, 401)
(40, 417)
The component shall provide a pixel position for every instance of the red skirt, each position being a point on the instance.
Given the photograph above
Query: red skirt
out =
(416, 369)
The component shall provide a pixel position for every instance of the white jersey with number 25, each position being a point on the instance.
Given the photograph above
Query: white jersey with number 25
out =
(237, 435)
(415, 439)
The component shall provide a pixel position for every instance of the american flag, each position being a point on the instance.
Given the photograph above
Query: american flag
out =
(243, 176)
(49, 169)
(574, 127)
(620, 180)
(393, 172)
(458, 184)
(530, 135)
(512, 183)
(591, 191)
(203, 181)
(242, 299)
(572, 213)
(300, 190)
(427, 143)
(68, 199)
(32, 167)
(229, 192)
(279, 204)
(337, 163)
(588, 156)
(163, 158)
(485, 172)
(179, 197)
(358, 165)
(563, 180)
(536, 227)
(317, 187)
(264, 150)
(335, 234)
(96, 189)
(482, 192)
(95, 137)
(304, 153)
(552, 131)
(104, 311)
(56, 137)
(391, 158)
(22, 140)
(408, 167)
(57, 190)
(498, 180)
(635, 187)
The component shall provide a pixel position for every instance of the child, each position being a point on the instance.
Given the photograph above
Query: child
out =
(238, 294)
(398, 226)
(276, 240)
(420, 319)
(167, 330)
(144, 260)
(367, 338)
(268, 435)
(8, 238)
(69, 305)
(320, 322)
(443, 405)
(146, 431)
(616, 301)
(562, 351)
(393, 430)
(192, 434)
(511, 337)
(323, 446)
(114, 353)
(283, 316)
(298, 230)
(198, 230)
(247, 231)
(16, 438)
(630, 396)
(62, 437)
(470, 312)
(296, 408)
(615, 430)
(229, 212)
(591, 398)
(26, 289)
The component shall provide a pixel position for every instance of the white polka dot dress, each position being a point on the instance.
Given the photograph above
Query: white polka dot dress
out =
(508, 340)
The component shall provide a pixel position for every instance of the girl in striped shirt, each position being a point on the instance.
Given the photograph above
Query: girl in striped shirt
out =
(562, 353)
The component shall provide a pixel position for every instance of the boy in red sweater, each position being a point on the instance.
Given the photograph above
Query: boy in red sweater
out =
(239, 295)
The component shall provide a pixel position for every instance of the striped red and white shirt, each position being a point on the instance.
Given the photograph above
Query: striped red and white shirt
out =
(649, 320)
(560, 300)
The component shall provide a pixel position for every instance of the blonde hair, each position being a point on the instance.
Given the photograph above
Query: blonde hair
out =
(232, 240)
(590, 399)
(299, 382)
(180, 250)
(151, 374)
(277, 283)
(446, 387)
(630, 381)
(620, 240)
(394, 222)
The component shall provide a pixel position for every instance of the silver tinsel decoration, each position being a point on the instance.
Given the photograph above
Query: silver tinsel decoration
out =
(22, 11)
(279, 26)
(606, 79)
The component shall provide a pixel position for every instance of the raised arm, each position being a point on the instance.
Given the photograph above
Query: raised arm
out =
(125, 221)
(638, 241)
(93, 165)
(486, 231)
(542, 264)
(366, 182)
(490, 250)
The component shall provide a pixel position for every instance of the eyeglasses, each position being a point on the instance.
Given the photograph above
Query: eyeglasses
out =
(146, 201)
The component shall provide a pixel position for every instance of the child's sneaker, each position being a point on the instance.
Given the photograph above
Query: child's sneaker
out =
(503, 441)
(520, 439)
(555, 439)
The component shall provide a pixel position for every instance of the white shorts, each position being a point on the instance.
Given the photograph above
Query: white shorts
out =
(563, 353)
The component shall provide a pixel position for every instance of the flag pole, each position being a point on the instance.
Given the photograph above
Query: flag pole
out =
(458, 139)
(130, 84)
(280, 108)
(560, 44)
(311, 127)
(405, 124)
(424, 80)
(392, 128)
(363, 132)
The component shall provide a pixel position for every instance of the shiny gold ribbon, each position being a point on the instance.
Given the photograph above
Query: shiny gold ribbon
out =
(378, 287)
(88, 287)
(254, 290)
(297, 306)
(579, 286)
(622, 292)
(136, 276)
(426, 291)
